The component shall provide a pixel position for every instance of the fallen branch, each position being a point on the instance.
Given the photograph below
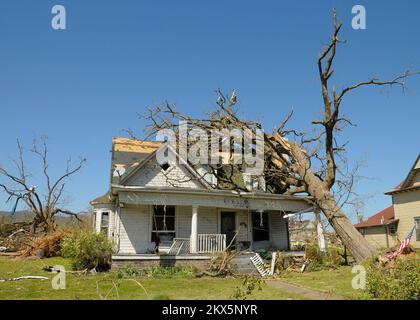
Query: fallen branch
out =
(25, 278)
(16, 232)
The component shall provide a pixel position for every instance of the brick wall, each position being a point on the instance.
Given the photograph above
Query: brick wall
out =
(146, 264)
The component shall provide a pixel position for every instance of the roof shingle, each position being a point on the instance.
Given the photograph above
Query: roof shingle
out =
(381, 218)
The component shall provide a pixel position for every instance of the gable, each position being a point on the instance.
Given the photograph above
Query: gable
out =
(151, 174)
(127, 153)
(412, 181)
(416, 179)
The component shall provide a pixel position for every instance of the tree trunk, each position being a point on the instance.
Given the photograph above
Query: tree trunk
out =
(49, 225)
(359, 248)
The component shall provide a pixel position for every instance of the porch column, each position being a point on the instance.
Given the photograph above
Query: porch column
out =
(320, 231)
(98, 220)
(194, 229)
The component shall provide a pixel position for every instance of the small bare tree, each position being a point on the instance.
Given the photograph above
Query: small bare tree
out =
(44, 205)
(295, 162)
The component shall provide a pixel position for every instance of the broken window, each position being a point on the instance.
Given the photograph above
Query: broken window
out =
(165, 166)
(392, 229)
(260, 227)
(417, 222)
(105, 222)
(163, 221)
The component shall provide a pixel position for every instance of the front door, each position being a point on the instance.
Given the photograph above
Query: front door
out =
(228, 225)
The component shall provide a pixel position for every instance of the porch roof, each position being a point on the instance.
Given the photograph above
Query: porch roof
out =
(212, 198)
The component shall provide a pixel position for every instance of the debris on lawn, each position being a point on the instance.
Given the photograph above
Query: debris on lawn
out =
(220, 265)
(17, 240)
(304, 265)
(46, 246)
(25, 278)
(51, 269)
(14, 236)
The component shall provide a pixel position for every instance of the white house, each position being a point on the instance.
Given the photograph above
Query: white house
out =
(174, 212)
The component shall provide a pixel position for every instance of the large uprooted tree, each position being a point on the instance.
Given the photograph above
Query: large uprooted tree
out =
(46, 201)
(295, 162)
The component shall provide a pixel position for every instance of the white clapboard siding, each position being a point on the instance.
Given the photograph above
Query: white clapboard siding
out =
(207, 221)
(183, 221)
(242, 217)
(152, 175)
(135, 230)
(278, 231)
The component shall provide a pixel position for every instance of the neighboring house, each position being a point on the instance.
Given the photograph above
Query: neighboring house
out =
(380, 229)
(392, 225)
(179, 209)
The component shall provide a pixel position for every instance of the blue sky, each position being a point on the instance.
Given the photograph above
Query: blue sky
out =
(84, 85)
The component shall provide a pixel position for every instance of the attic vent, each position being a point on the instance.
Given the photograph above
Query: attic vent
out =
(165, 166)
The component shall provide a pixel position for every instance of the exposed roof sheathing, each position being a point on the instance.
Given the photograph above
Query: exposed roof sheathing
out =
(128, 153)
(136, 146)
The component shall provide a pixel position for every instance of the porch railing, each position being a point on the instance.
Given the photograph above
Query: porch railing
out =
(209, 243)
(180, 246)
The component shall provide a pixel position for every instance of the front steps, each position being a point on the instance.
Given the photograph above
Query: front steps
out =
(243, 265)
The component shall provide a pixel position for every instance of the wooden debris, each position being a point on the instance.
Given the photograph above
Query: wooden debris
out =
(25, 278)
(259, 264)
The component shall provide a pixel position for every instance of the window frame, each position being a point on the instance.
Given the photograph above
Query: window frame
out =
(155, 230)
(417, 227)
(392, 229)
(268, 231)
(104, 228)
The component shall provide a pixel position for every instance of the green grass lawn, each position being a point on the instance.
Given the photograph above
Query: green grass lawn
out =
(85, 286)
(337, 281)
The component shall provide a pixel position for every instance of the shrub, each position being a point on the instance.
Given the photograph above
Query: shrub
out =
(318, 259)
(169, 272)
(129, 272)
(283, 262)
(334, 257)
(397, 280)
(88, 250)
(157, 272)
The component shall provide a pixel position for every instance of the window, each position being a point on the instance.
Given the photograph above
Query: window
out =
(105, 222)
(392, 229)
(163, 222)
(165, 166)
(417, 221)
(260, 228)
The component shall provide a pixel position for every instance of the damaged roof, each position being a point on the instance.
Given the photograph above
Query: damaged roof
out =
(382, 218)
(127, 154)
(104, 199)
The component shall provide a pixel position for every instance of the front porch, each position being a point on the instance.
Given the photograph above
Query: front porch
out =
(150, 221)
